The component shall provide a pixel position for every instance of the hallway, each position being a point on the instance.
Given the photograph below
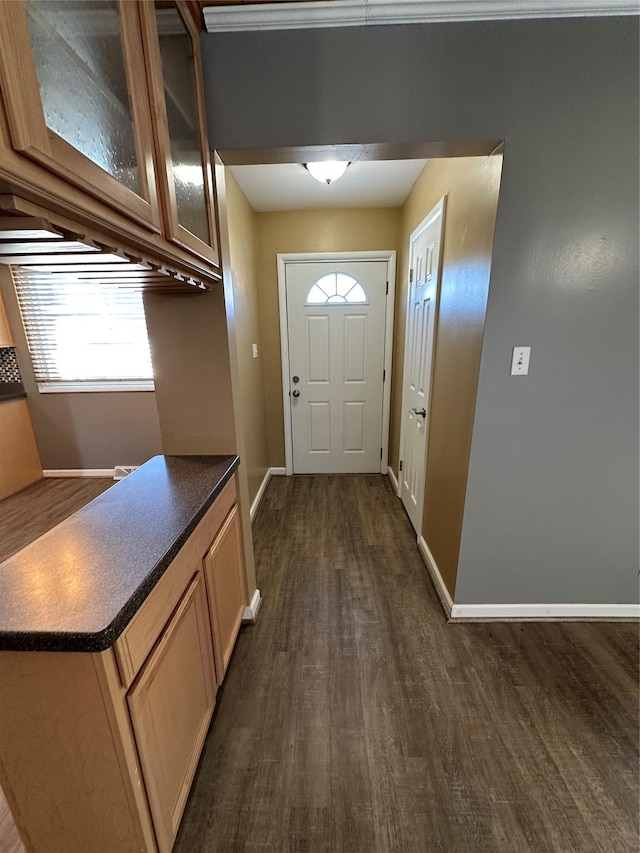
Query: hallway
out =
(353, 719)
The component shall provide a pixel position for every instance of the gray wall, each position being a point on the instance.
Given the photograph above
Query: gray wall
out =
(551, 513)
(98, 430)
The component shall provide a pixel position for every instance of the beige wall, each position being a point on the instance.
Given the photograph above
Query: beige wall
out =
(190, 353)
(366, 229)
(471, 185)
(250, 392)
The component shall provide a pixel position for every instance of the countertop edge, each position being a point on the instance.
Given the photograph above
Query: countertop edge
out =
(13, 395)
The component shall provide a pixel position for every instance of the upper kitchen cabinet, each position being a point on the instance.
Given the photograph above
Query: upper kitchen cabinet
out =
(186, 179)
(75, 91)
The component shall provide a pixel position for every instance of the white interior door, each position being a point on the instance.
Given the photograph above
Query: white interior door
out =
(336, 344)
(424, 274)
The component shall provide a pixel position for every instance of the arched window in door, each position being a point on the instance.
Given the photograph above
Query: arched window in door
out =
(336, 288)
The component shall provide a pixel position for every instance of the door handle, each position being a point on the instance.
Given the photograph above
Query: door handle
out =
(422, 412)
(295, 393)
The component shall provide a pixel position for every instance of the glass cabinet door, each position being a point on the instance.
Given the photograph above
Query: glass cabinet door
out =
(79, 59)
(173, 51)
(81, 106)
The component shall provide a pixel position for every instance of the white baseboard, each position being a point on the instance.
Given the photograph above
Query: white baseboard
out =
(522, 612)
(78, 472)
(250, 615)
(271, 472)
(394, 481)
(543, 612)
(258, 498)
(441, 590)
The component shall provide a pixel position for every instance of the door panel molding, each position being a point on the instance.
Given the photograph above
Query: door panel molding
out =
(389, 257)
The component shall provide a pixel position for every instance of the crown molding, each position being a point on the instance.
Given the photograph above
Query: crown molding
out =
(354, 13)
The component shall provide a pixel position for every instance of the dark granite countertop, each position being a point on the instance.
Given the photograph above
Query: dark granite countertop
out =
(11, 391)
(78, 586)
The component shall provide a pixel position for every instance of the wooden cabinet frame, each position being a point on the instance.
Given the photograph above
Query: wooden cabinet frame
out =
(6, 338)
(174, 230)
(19, 458)
(31, 136)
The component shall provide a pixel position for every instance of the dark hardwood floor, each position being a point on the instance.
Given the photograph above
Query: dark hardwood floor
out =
(24, 517)
(354, 719)
(29, 513)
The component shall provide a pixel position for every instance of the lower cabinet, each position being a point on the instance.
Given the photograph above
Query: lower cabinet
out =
(98, 750)
(173, 655)
(171, 704)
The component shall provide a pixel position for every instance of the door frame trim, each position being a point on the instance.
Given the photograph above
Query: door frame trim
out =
(439, 209)
(389, 256)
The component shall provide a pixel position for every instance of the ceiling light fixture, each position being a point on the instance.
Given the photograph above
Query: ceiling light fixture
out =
(327, 171)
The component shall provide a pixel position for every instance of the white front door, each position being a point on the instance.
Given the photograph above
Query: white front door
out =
(336, 331)
(424, 282)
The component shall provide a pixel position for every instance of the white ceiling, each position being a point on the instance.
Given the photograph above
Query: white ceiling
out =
(288, 186)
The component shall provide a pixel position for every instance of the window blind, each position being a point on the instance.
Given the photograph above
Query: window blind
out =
(82, 330)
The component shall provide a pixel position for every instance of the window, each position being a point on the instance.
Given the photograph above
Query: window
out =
(336, 288)
(83, 334)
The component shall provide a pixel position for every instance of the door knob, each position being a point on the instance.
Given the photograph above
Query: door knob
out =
(296, 393)
(296, 379)
(422, 412)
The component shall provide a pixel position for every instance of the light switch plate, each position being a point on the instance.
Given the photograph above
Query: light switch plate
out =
(255, 350)
(520, 361)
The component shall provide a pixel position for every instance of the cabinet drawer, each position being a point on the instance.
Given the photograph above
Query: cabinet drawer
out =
(141, 634)
(171, 705)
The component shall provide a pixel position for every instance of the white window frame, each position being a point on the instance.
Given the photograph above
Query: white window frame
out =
(344, 301)
(56, 386)
(92, 386)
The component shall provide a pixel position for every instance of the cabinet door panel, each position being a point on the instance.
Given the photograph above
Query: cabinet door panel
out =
(224, 570)
(171, 704)
(6, 339)
(80, 50)
(173, 57)
(19, 458)
(77, 97)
